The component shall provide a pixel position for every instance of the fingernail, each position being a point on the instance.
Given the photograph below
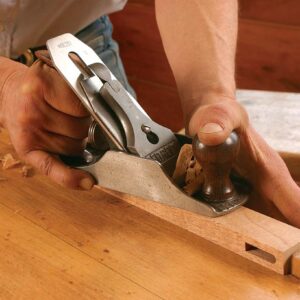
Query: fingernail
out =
(211, 128)
(86, 183)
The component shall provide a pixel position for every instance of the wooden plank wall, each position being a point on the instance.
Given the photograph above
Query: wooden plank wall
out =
(267, 57)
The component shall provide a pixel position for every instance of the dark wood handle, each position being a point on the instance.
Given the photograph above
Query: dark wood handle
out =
(217, 162)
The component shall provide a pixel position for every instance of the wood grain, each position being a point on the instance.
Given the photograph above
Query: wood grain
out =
(240, 231)
(35, 264)
(296, 264)
(108, 233)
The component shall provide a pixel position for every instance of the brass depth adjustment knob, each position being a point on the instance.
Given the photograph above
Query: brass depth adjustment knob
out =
(217, 162)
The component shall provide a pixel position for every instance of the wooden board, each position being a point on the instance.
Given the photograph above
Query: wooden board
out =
(35, 264)
(65, 244)
(255, 236)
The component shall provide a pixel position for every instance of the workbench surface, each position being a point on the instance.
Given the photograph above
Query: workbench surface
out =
(61, 244)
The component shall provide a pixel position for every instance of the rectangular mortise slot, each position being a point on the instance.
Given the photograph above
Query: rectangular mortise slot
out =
(260, 253)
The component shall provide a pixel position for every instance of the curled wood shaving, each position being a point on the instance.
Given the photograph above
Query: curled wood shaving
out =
(194, 186)
(183, 161)
(194, 177)
(188, 173)
(26, 171)
(8, 162)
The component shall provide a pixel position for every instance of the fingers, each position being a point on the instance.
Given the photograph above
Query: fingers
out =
(66, 125)
(214, 122)
(270, 176)
(63, 145)
(44, 116)
(57, 93)
(60, 173)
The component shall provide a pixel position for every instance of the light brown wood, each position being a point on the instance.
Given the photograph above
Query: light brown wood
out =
(50, 237)
(35, 264)
(255, 236)
(296, 264)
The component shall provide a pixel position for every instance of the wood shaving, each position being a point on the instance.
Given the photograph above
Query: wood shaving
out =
(183, 161)
(188, 173)
(194, 177)
(194, 186)
(8, 162)
(26, 171)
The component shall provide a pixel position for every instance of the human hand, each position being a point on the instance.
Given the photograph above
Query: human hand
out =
(44, 118)
(257, 162)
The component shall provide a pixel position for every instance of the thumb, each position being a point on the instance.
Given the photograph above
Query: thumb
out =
(214, 122)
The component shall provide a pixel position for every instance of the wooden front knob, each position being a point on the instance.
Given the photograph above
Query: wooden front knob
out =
(217, 162)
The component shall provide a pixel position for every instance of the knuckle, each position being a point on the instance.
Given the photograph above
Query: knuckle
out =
(46, 165)
(30, 112)
(32, 84)
(27, 113)
(228, 113)
(219, 109)
(218, 112)
(25, 144)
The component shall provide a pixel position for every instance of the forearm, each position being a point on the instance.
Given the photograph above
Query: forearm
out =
(8, 67)
(199, 38)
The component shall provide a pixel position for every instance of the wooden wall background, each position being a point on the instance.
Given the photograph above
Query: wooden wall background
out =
(268, 55)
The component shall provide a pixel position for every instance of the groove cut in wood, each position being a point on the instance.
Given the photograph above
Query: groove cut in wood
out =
(273, 242)
(260, 253)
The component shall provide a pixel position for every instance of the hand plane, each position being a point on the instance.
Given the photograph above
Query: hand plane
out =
(130, 153)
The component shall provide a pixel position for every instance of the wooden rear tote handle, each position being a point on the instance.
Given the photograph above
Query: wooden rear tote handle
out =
(217, 162)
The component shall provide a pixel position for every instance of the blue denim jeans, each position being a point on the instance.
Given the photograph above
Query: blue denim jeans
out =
(98, 36)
